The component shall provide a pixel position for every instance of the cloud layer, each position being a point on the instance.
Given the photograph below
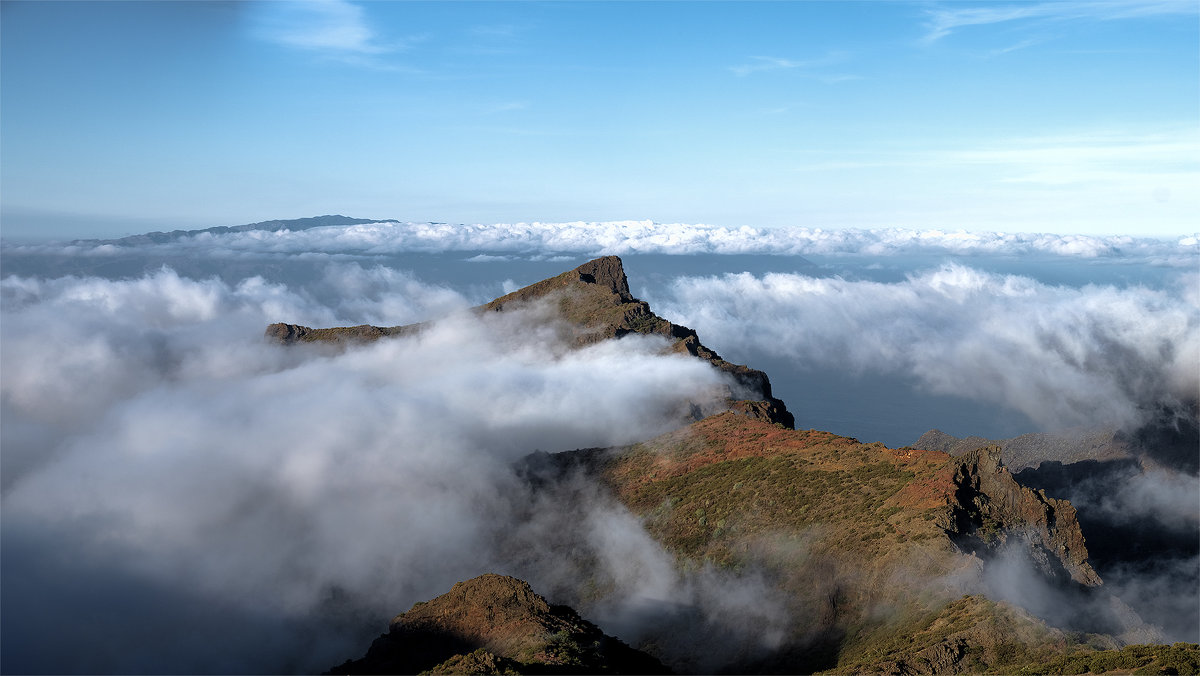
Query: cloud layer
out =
(1095, 355)
(622, 237)
(178, 477)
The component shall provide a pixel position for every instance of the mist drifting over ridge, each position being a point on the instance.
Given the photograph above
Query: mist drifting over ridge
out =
(278, 495)
(193, 441)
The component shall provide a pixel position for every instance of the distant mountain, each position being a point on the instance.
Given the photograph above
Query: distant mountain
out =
(268, 226)
(867, 549)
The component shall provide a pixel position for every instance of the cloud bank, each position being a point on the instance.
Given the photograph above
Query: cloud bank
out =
(204, 501)
(623, 237)
(1095, 355)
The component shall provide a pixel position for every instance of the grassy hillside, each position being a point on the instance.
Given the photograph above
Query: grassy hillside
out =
(864, 542)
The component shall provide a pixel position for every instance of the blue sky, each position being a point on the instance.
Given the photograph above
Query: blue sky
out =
(1070, 117)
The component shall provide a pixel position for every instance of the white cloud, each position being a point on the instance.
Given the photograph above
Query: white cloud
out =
(761, 63)
(1063, 356)
(332, 26)
(618, 237)
(768, 63)
(156, 444)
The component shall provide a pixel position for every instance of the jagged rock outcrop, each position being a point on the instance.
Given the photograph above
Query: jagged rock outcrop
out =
(497, 624)
(987, 507)
(595, 303)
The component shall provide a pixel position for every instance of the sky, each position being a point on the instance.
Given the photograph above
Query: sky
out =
(1064, 117)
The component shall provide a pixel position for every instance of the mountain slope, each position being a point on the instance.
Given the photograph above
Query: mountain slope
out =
(866, 545)
(707, 486)
(497, 624)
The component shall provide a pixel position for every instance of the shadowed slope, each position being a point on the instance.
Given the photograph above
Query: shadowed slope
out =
(497, 624)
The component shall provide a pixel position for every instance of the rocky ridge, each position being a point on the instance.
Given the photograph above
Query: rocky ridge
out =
(595, 304)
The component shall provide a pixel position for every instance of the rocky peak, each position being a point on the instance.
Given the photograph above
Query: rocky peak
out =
(987, 507)
(497, 624)
(608, 272)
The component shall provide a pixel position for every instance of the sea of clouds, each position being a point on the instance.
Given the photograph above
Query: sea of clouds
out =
(1063, 356)
(180, 495)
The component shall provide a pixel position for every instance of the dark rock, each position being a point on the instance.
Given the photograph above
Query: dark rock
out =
(607, 272)
(989, 506)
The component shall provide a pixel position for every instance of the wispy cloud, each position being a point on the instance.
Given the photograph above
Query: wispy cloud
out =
(943, 22)
(758, 64)
(839, 77)
(1014, 47)
(504, 30)
(761, 63)
(337, 29)
(506, 107)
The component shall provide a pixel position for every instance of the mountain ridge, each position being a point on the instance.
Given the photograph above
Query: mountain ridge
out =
(594, 300)
(275, 225)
